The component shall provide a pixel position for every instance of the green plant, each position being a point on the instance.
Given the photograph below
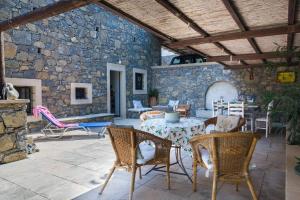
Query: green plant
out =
(153, 93)
(286, 98)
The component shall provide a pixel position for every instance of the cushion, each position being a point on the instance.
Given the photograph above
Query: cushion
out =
(147, 152)
(137, 104)
(226, 123)
(173, 103)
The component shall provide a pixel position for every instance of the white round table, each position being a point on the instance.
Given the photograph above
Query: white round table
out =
(179, 133)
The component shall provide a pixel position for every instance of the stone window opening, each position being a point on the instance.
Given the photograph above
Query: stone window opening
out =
(139, 81)
(25, 92)
(81, 93)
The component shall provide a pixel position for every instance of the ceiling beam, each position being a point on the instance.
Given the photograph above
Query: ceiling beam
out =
(279, 30)
(291, 21)
(107, 6)
(124, 15)
(250, 56)
(43, 13)
(183, 17)
(279, 64)
(233, 11)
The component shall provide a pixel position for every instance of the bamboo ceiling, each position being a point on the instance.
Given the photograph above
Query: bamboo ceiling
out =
(216, 17)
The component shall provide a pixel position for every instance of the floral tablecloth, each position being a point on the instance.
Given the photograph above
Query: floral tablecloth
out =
(179, 133)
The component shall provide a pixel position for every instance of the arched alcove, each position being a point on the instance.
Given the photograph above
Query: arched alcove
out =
(220, 89)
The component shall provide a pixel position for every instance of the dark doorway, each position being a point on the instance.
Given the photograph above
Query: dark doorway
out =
(115, 92)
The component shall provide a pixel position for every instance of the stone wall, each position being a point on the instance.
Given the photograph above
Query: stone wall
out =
(12, 130)
(75, 47)
(190, 82)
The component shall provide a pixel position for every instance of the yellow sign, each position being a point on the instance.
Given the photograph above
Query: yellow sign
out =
(286, 77)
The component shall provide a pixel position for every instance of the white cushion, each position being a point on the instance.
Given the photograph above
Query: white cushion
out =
(226, 123)
(137, 104)
(173, 103)
(206, 158)
(147, 151)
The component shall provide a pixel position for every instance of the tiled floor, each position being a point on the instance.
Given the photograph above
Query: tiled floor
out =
(75, 167)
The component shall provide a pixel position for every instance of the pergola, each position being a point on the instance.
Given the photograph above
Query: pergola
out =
(236, 33)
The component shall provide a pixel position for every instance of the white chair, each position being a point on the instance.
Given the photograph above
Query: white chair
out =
(217, 107)
(265, 123)
(138, 107)
(237, 109)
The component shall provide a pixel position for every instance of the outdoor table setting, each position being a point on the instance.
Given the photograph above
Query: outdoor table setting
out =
(179, 133)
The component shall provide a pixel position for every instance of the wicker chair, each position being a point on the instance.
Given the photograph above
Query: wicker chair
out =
(126, 141)
(184, 110)
(213, 121)
(155, 113)
(230, 154)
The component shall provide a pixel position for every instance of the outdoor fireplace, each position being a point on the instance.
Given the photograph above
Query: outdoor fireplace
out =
(13, 119)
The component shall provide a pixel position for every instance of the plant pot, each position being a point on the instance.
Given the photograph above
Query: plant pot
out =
(152, 101)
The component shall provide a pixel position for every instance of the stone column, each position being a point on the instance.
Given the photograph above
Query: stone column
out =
(13, 123)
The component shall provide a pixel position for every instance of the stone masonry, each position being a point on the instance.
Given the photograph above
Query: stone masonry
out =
(75, 47)
(191, 83)
(13, 119)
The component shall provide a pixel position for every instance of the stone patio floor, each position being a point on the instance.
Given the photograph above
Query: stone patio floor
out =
(74, 168)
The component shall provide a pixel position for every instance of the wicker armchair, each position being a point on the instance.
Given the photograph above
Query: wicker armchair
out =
(155, 113)
(230, 154)
(213, 121)
(125, 142)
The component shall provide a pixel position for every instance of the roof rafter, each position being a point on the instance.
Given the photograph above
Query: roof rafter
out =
(279, 64)
(291, 21)
(178, 13)
(251, 56)
(43, 13)
(233, 11)
(262, 32)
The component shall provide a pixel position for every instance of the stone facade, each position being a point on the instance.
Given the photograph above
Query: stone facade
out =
(12, 130)
(190, 83)
(75, 47)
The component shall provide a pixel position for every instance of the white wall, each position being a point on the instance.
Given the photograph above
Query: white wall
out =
(218, 89)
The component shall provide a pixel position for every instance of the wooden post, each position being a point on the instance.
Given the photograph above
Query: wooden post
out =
(2, 63)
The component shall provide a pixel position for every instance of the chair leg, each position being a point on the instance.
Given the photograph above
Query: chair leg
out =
(267, 130)
(251, 188)
(214, 189)
(168, 175)
(237, 187)
(132, 182)
(195, 176)
(107, 179)
(140, 172)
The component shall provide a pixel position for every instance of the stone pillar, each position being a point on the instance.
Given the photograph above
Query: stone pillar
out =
(13, 122)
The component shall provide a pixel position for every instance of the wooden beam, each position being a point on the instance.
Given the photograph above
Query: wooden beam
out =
(291, 21)
(43, 13)
(2, 63)
(279, 64)
(233, 11)
(279, 30)
(250, 56)
(178, 13)
(107, 6)
(124, 15)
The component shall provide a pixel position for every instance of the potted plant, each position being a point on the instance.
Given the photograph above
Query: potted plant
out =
(153, 97)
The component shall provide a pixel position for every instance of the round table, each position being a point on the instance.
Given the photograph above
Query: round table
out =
(179, 133)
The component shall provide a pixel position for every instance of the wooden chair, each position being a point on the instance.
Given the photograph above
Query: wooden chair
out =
(184, 110)
(213, 121)
(230, 154)
(126, 144)
(237, 109)
(151, 114)
(265, 123)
